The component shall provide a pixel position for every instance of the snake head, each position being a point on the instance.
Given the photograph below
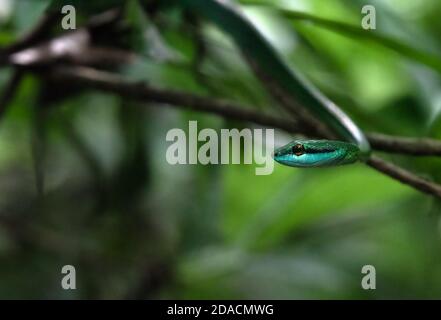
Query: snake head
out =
(317, 153)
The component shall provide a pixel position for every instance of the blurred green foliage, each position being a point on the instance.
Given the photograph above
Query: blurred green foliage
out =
(137, 227)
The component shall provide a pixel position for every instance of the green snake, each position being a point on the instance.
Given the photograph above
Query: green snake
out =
(298, 153)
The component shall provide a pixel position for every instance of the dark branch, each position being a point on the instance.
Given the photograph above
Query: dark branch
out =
(9, 91)
(91, 78)
(115, 84)
(410, 146)
(35, 35)
(404, 176)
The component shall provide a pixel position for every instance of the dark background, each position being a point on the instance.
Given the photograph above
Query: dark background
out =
(84, 180)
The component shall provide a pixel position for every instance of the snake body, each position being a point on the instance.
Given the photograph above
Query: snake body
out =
(299, 153)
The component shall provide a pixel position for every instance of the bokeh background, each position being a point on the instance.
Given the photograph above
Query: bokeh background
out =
(136, 227)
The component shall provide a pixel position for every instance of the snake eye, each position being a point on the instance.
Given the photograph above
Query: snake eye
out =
(298, 149)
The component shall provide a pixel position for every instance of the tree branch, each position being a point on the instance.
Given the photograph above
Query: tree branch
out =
(36, 34)
(111, 83)
(33, 36)
(404, 176)
(409, 146)
(138, 90)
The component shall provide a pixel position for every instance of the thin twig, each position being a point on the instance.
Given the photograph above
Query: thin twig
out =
(108, 82)
(113, 83)
(410, 146)
(10, 90)
(404, 176)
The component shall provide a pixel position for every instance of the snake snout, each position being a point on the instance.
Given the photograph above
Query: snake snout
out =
(276, 154)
